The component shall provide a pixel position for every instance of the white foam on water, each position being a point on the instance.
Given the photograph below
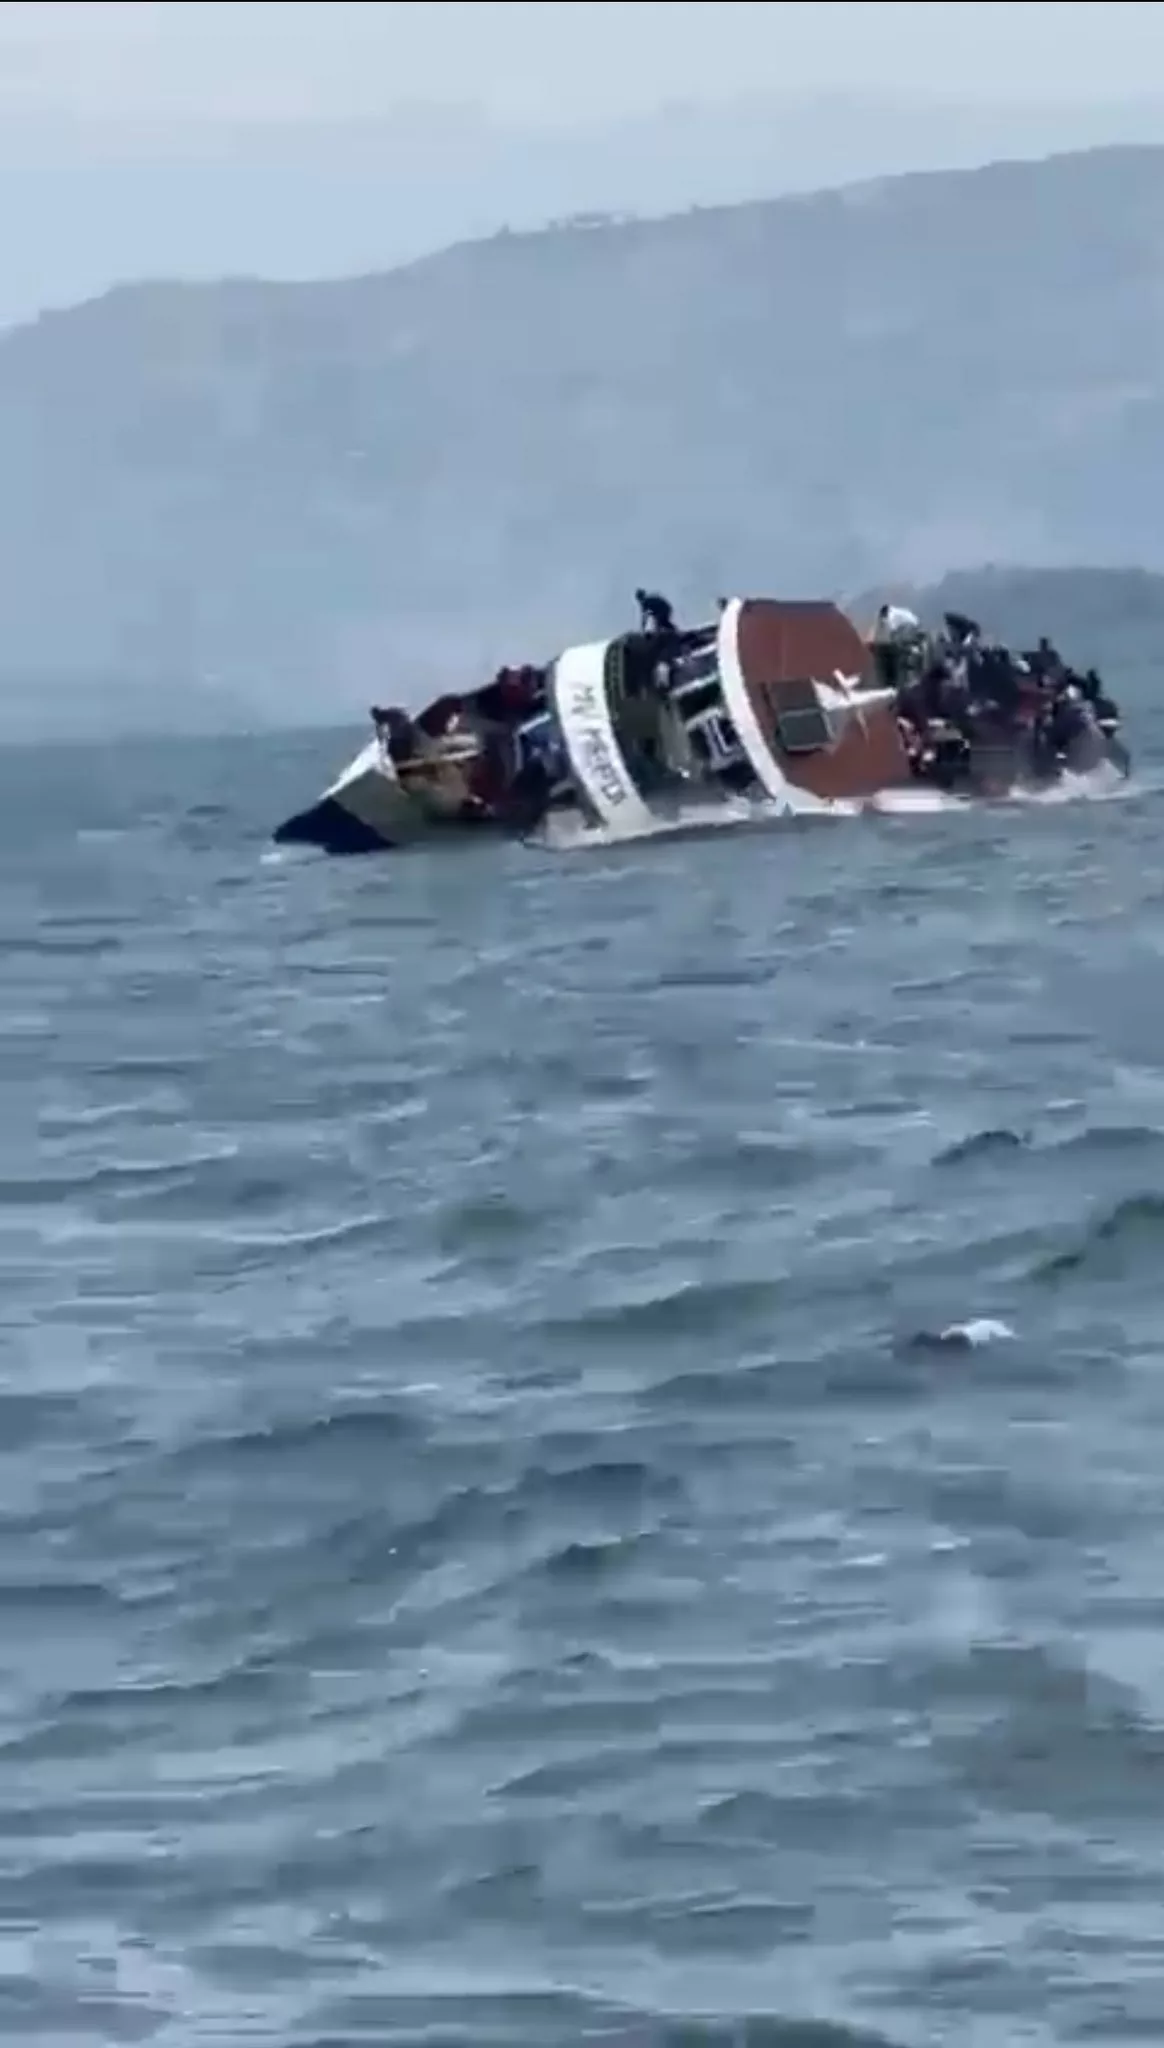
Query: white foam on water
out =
(293, 855)
(1104, 785)
(921, 802)
(979, 1331)
(566, 832)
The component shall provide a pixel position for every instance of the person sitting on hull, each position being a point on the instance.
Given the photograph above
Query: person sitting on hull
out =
(441, 718)
(513, 695)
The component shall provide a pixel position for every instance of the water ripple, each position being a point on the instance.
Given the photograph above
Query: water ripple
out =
(577, 1435)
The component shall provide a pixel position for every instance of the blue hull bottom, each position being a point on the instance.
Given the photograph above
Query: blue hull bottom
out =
(331, 828)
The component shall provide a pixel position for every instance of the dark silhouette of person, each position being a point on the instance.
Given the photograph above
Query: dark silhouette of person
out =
(656, 612)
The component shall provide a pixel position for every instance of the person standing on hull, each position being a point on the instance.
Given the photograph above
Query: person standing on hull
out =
(656, 612)
(657, 628)
(897, 633)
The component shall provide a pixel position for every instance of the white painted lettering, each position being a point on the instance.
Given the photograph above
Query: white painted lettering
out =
(587, 727)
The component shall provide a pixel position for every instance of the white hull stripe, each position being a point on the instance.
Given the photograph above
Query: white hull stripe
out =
(742, 711)
(578, 690)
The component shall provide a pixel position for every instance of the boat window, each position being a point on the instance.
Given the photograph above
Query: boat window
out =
(805, 730)
(701, 665)
(696, 698)
(715, 740)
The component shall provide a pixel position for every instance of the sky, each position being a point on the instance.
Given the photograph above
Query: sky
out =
(550, 62)
(303, 139)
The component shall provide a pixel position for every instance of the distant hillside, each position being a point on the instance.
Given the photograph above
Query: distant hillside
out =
(88, 204)
(316, 493)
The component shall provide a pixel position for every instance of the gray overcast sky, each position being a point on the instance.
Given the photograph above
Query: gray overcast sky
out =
(259, 58)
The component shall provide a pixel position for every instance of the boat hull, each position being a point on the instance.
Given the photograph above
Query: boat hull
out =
(367, 809)
(775, 708)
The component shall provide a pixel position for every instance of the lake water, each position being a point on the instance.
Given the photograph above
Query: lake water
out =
(580, 1436)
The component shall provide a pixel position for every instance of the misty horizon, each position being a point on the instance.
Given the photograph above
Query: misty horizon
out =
(105, 205)
(293, 140)
(240, 492)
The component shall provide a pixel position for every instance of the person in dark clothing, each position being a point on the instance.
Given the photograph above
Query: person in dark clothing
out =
(1069, 719)
(1091, 687)
(438, 718)
(995, 681)
(398, 733)
(1107, 711)
(961, 631)
(936, 684)
(1047, 664)
(656, 612)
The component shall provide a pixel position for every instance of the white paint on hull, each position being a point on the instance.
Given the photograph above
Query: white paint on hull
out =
(597, 762)
(742, 711)
(369, 790)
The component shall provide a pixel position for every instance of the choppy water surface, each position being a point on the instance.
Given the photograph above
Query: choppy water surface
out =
(496, 1548)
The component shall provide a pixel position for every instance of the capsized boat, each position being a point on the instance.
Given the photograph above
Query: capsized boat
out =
(774, 709)
(774, 705)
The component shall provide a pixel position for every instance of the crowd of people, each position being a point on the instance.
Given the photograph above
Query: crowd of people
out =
(499, 749)
(955, 687)
(490, 753)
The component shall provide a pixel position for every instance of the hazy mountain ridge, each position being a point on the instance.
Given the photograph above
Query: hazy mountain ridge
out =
(309, 494)
(87, 203)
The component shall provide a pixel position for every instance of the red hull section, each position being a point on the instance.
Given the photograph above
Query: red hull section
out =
(785, 650)
(790, 641)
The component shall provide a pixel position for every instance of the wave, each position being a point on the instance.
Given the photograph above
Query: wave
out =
(569, 833)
